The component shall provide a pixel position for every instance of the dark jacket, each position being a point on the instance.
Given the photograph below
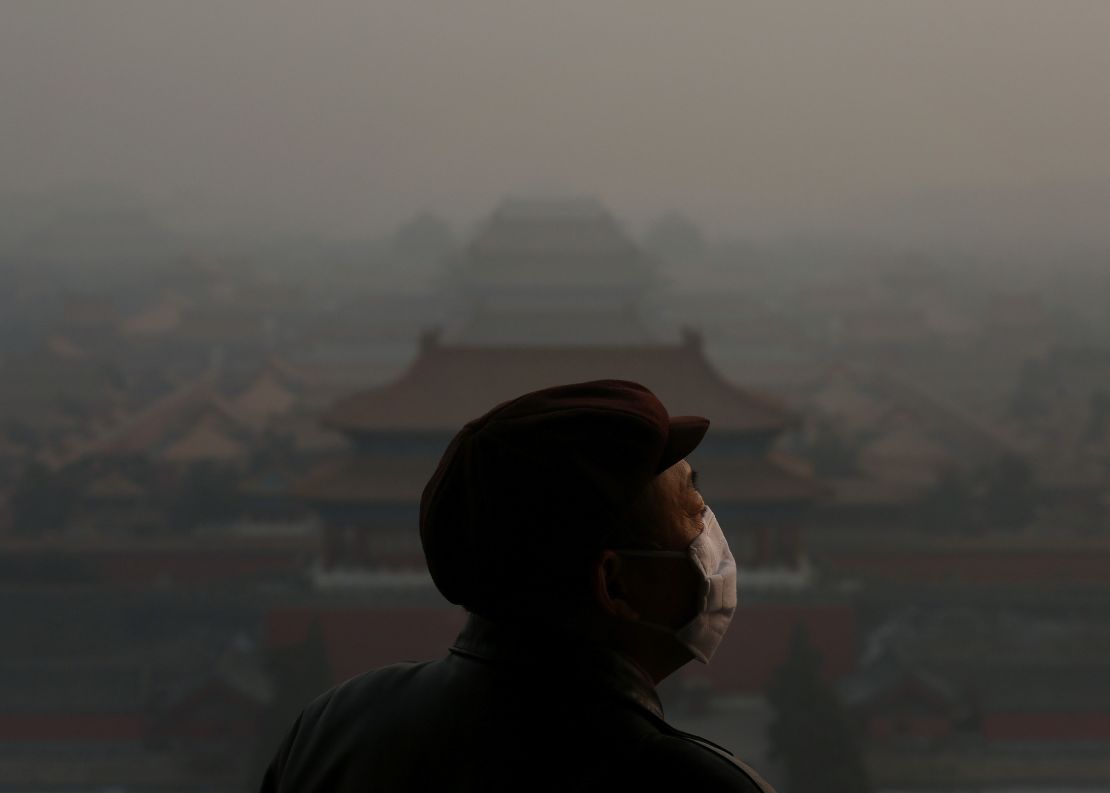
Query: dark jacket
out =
(505, 710)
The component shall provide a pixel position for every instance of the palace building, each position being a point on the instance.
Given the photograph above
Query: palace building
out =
(369, 497)
(552, 271)
(556, 292)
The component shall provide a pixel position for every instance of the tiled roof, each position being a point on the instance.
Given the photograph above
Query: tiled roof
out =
(359, 478)
(449, 385)
(773, 479)
(145, 429)
(192, 422)
(536, 326)
(264, 398)
(204, 441)
(522, 226)
(306, 434)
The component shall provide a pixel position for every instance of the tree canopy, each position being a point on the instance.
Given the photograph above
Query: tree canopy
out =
(810, 734)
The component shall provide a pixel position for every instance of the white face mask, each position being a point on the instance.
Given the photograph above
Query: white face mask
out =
(710, 554)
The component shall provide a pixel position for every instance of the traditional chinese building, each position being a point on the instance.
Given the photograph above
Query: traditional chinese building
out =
(369, 497)
(552, 271)
(115, 504)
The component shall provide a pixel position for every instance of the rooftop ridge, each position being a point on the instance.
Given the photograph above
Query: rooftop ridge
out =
(449, 384)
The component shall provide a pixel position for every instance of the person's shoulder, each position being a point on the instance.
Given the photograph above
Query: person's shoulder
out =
(687, 759)
(364, 687)
(340, 719)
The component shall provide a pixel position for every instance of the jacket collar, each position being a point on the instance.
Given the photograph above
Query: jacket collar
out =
(548, 650)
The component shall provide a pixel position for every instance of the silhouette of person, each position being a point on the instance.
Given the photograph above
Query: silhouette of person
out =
(569, 525)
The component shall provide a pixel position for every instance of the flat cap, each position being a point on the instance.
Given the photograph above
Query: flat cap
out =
(523, 496)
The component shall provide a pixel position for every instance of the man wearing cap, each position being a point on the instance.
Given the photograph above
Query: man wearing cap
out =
(568, 523)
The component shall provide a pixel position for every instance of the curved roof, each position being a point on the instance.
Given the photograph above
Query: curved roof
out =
(775, 478)
(446, 386)
(536, 244)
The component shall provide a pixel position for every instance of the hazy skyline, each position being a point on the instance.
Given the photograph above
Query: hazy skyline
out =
(898, 118)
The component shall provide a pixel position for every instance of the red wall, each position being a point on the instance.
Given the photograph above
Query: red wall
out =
(185, 567)
(363, 638)
(71, 727)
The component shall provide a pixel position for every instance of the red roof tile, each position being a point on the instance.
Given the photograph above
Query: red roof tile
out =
(774, 479)
(364, 479)
(165, 417)
(103, 727)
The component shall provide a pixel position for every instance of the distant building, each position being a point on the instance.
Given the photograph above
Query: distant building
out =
(191, 424)
(369, 497)
(115, 504)
(556, 271)
(986, 695)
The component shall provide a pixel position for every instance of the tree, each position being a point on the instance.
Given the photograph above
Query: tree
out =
(810, 734)
(950, 504)
(1008, 495)
(22, 433)
(42, 501)
(207, 495)
(299, 673)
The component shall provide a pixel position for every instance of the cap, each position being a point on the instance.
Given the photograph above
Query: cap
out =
(522, 495)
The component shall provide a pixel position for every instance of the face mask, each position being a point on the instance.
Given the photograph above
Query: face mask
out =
(710, 554)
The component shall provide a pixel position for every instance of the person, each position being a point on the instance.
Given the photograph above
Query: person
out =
(568, 523)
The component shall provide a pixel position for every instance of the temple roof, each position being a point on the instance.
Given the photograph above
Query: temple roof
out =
(548, 326)
(363, 479)
(533, 244)
(776, 478)
(263, 399)
(205, 440)
(194, 422)
(530, 225)
(446, 386)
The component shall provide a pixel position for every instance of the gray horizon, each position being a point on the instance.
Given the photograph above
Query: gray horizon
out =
(981, 121)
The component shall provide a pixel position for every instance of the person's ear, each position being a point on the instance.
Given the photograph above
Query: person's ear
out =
(609, 586)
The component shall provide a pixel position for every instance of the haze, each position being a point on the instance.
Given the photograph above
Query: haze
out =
(976, 119)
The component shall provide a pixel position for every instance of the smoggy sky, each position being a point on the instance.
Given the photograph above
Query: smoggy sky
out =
(348, 117)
